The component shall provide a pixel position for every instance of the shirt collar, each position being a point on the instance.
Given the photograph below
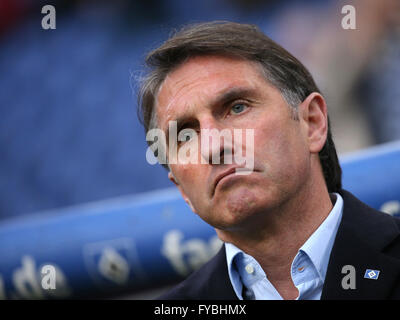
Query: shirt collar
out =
(318, 246)
(231, 252)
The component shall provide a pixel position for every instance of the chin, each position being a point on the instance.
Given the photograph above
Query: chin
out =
(237, 208)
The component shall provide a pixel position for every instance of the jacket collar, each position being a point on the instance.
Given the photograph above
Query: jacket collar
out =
(218, 284)
(362, 236)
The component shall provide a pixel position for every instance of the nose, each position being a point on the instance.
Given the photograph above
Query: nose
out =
(215, 142)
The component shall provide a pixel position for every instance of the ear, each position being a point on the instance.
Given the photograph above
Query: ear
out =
(185, 197)
(314, 114)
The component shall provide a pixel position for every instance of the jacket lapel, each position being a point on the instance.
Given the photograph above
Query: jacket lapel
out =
(362, 236)
(215, 282)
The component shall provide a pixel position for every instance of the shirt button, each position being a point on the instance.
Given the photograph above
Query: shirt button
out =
(249, 269)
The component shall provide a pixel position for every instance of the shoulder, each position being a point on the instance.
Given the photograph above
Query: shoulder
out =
(210, 282)
(354, 205)
(366, 238)
(367, 222)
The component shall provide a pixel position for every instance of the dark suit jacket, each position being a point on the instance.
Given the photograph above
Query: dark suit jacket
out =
(366, 239)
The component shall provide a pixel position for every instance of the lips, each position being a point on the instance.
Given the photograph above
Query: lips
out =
(221, 176)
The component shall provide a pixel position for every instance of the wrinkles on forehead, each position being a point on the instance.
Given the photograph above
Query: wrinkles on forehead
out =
(183, 91)
(175, 96)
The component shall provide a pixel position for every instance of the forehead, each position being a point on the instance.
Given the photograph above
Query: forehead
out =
(200, 79)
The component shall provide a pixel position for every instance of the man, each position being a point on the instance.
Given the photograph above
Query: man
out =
(289, 230)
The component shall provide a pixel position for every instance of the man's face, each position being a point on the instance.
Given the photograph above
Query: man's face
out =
(215, 92)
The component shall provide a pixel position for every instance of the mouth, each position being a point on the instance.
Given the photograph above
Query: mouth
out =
(224, 174)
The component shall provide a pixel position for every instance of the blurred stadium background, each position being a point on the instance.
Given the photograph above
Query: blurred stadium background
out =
(75, 187)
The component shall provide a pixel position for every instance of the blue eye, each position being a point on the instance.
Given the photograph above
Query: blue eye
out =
(238, 108)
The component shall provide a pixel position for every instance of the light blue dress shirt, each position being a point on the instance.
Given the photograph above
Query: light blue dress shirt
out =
(308, 268)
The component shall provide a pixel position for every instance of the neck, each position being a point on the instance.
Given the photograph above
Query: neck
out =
(275, 239)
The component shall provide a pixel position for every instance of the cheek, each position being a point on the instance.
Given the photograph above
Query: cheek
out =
(192, 180)
(182, 174)
(280, 150)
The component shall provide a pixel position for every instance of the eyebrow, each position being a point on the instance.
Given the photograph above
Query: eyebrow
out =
(233, 94)
(222, 99)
